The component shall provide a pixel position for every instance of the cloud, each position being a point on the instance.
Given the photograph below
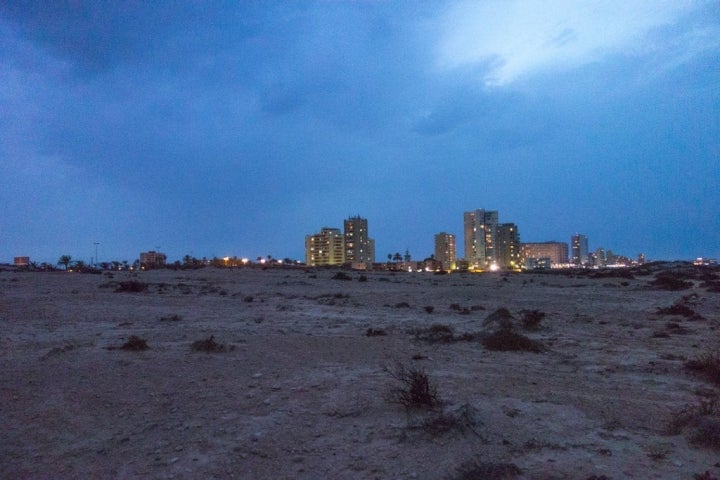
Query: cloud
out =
(516, 38)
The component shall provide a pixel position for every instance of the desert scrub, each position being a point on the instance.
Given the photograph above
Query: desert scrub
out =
(209, 345)
(487, 471)
(531, 319)
(375, 332)
(507, 340)
(701, 422)
(412, 388)
(706, 365)
(132, 286)
(135, 344)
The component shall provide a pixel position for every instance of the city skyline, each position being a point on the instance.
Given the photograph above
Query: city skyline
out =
(214, 129)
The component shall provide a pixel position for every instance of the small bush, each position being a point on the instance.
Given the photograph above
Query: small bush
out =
(500, 318)
(531, 319)
(135, 344)
(341, 276)
(435, 333)
(670, 281)
(680, 309)
(507, 340)
(362, 278)
(460, 420)
(171, 318)
(413, 389)
(248, 299)
(402, 305)
(429, 309)
(375, 332)
(209, 345)
(706, 365)
(132, 286)
(702, 420)
(487, 471)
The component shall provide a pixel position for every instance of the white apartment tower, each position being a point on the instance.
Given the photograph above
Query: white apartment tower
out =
(445, 250)
(359, 247)
(325, 248)
(480, 232)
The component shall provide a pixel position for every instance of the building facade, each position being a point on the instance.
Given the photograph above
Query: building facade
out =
(579, 249)
(556, 253)
(480, 235)
(445, 250)
(325, 248)
(152, 259)
(359, 247)
(508, 246)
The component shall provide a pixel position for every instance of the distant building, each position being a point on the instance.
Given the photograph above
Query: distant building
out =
(21, 261)
(325, 248)
(445, 250)
(556, 252)
(600, 259)
(359, 247)
(480, 235)
(152, 259)
(508, 246)
(579, 249)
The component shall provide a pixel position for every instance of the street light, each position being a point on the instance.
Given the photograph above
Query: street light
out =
(96, 254)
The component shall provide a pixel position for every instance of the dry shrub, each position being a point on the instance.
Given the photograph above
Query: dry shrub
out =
(435, 333)
(707, 365)
(429, 309)
(135, 344)
(341, 276)
(500, 318)
(680, 309)
(671, 281)
(209, 345)
(375, 332)
(412, 388)
(531, 319)
(132, 286)
(702, 420)
(171, 318)
(460, 420)
(487, 471)
(507, 340)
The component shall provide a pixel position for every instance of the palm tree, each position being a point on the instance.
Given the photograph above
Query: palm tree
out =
(65, 261)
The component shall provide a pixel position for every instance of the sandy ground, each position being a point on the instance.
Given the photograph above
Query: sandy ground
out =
(302, 392)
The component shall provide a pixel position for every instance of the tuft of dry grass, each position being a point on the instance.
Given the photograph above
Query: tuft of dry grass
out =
(487, 471)
(209, 345)
(706, 365)
(131, 286)
(375, 332)
(507, 340)
(412, 389)
(702, 420)
(135, 344)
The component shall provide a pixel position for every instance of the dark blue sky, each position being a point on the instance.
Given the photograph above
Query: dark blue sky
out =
(236, 128)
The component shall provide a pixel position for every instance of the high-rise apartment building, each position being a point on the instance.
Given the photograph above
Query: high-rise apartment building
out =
(359, 247)
(445, 250)
(579, 249)
(555, 252)
(480, 234)
(508, 246)
(152, 259)
(325, 248)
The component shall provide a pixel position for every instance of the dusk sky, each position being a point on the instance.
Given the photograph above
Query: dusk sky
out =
(236, 128)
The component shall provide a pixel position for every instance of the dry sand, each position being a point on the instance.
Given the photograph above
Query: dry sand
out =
(302, 391)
